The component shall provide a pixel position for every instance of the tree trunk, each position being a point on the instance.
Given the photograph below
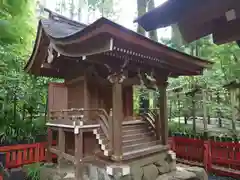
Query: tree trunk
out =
(194, 113)
(141, 9)
(204, 101)
(152, 34)
(79, 10)
(72, 9)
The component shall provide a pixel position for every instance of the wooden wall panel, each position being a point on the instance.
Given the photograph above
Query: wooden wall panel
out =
(90, 144)
(76, 95)
(57, 96)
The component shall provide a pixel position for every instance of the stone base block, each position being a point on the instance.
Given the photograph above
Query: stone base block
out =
(185, 173)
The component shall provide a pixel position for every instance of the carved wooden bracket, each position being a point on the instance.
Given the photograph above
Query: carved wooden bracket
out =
(116, 77)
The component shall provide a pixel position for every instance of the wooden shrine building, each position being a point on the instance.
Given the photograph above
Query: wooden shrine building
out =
(92, 111)
(197, 18)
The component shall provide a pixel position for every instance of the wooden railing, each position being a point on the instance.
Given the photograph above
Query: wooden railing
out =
(150, 116)
(222, 158)
(104, 123)
(75, 113)
(102, 117)
(23, 154)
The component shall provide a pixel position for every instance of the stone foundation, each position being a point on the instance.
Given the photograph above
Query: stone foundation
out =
(156, 167)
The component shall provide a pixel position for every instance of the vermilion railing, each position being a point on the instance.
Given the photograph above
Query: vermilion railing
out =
(189, 149)
(23, 154)
(222, 158)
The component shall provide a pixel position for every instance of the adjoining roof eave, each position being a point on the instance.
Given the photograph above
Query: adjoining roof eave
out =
(141, 20)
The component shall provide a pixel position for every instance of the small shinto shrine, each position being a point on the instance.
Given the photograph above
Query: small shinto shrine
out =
(91, 112)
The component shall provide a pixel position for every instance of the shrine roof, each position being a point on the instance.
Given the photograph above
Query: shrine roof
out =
(69, 40)
(196, 19)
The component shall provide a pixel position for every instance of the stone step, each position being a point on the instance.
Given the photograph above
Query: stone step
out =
(140, 140)
(138, 136)
(135, 131)
(135, 126)
(144, 151)
(136, 146)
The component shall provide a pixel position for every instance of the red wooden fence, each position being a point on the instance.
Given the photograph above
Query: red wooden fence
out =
(222, 158)
(23, 154)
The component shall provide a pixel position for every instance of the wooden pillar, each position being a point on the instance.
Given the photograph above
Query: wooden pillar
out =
(86, 97)
(205, 120)
(50, 138)
(78, 153)
(117, 117)
(158, 125)
(163, 118)
(61, 145)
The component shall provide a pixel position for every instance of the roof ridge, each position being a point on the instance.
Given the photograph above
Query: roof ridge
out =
(58, 17)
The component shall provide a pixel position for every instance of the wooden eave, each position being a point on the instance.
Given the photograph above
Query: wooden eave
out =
(104, 37)
(196, 19)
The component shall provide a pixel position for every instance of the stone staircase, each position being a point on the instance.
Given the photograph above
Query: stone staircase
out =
(138, 139)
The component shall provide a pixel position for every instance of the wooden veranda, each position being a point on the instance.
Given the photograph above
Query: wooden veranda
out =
(92, 111)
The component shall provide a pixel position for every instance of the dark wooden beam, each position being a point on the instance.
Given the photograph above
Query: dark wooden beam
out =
(200, 22)
(66, 156)
(226, 31)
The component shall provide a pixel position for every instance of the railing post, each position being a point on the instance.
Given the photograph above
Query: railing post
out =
(19, 160)
(158, 125)
(8, 159)
(174, 144)
(207, 156)
(78, 152)
(49, 144)
(110, 122)
(61, 146)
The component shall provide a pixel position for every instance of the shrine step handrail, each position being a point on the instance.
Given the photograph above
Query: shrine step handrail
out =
(104, 125)
(102, 116)
(150, 116)
(104, 121)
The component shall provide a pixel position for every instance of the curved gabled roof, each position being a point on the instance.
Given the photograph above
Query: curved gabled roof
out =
(70, 39)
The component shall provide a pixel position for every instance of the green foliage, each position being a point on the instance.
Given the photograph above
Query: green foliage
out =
(105, 6)
(15, 21)
(22, 97)
(33, 171)
(225, 69)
